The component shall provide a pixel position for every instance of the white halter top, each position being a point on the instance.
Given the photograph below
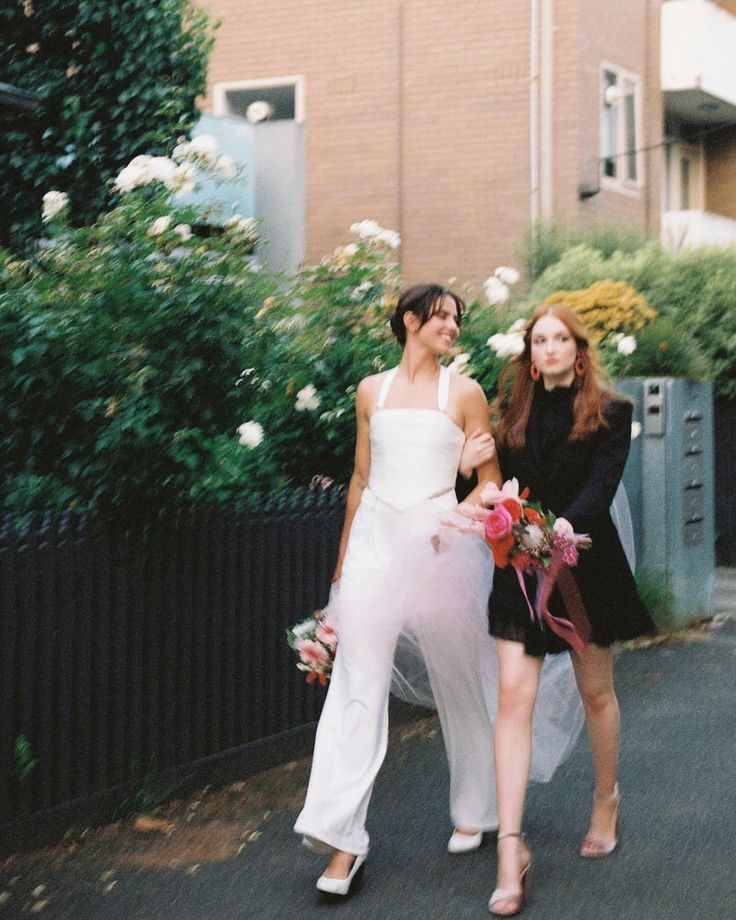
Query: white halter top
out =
(414, 452)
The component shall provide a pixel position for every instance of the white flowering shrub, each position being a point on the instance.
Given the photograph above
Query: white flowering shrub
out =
(122, 346)
(149, 362)
(113, 79)
(692, 291)
(324, 333)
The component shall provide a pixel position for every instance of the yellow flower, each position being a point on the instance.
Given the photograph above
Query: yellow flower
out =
(607, 307)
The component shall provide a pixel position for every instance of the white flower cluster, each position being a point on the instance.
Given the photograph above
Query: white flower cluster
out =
(159, 226)
(372, 232)
(145, 169)
(307, 399)
(625, 344)
(245, 227)
(250, 434)
(205, 149)
(53, 203)
(459, 363)
(496, 287)
(179, 171)
(510, 343)
(359, 292)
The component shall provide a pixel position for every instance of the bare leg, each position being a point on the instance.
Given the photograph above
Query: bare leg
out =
(594, 676)
(517, 693)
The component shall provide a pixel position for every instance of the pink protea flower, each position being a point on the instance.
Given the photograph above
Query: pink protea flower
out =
(312, 653)
(327, 635)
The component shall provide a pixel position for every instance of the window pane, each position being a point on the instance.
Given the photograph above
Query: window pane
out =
(609, 126)
(685, 184)
(630, 112)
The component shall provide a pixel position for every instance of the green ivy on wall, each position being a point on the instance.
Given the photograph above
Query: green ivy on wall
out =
(115, 79)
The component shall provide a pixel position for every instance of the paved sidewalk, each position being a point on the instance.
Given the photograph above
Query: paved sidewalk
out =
(676, 859)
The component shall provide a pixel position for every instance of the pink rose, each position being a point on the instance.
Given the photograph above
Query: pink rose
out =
(312, 653)
(570, 555)
(327, 635)
(498, 523)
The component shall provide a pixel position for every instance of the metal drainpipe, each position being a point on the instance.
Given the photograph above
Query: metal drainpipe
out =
(546, 109)
(534, 113)
(400, 130)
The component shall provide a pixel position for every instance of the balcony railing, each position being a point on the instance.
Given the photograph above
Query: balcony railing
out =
(698, 65)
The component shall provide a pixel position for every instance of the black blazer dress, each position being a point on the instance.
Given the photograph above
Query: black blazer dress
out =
(576, 480)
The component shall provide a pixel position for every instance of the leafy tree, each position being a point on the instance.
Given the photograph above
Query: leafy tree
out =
(115, 79)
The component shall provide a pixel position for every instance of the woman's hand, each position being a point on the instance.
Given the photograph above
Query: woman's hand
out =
(479, 448)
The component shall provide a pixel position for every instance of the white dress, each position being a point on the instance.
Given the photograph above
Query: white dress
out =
(408, 581)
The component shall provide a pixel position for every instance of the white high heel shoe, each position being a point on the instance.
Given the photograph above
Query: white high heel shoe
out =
(341, 886)
(464, 843)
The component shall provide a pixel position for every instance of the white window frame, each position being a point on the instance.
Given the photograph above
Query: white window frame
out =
(621, 182)
(221, 106)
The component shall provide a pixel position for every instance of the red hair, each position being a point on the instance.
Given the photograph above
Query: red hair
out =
(591, 394)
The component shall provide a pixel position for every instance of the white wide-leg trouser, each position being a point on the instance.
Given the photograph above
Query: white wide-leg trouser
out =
(396, 581)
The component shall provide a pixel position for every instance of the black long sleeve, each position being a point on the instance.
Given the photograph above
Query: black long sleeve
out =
(609, 460)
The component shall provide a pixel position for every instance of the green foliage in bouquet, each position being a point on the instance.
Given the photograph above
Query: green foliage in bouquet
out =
(114, 79)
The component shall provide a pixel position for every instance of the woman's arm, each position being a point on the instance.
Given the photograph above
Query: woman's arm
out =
(476, 419)
(609, 460)
(479, 448)
(361, 468)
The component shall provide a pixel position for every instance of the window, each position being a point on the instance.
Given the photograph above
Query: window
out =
(272, 99)
(620, 118)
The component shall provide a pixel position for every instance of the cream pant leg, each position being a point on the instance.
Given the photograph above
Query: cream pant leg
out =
(352, 735)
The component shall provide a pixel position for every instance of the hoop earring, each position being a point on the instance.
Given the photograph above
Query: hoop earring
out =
(534, 371)
(580, 366)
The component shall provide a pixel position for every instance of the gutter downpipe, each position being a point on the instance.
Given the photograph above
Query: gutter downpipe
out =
(546, 110)
(534, 116)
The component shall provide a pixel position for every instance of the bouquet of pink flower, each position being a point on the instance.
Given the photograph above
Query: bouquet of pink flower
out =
(520, 533)
(315, 642)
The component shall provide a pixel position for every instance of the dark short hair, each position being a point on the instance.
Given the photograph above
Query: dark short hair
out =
(421, 300)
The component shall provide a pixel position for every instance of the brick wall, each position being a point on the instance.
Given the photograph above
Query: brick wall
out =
(625, 34)
(417, 115)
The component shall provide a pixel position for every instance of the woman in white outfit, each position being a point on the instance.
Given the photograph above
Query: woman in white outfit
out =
(401, 576)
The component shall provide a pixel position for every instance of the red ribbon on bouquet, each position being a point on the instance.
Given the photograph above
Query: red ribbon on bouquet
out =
(576, 630)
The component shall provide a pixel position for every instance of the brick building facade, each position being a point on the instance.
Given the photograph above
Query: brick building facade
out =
(460, 124)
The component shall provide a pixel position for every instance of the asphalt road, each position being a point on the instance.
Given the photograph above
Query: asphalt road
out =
(676, 860)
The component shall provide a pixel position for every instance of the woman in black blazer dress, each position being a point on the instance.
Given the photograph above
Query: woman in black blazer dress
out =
(566, 438)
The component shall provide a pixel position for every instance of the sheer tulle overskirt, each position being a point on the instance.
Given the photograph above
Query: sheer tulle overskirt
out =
(433, 584)
(621, 517)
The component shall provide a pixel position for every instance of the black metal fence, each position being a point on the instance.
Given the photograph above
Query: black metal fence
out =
(122, 652)
(725, 464)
